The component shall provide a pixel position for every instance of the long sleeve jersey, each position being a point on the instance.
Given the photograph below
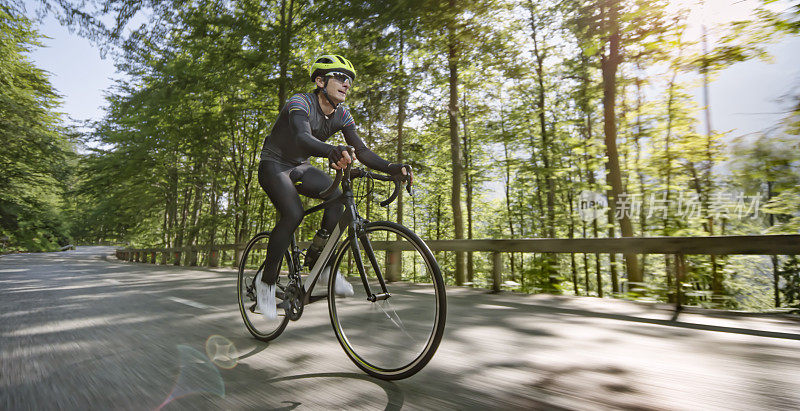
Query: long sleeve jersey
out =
(302, 129)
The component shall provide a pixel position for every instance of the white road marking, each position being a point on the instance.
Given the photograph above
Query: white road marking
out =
(191, 303)
(112, 281)
(493, 307)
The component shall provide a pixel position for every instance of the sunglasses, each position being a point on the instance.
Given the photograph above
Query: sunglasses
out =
(341, 77)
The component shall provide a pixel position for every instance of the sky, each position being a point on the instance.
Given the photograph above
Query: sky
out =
(744, 98)
(747, 97)
(76, 69)
(753, 96)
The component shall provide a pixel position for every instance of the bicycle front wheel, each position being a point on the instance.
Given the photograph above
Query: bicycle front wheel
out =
(390, 338)
(250, 265)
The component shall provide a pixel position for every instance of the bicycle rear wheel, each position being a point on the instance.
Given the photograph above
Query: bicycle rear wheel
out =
(393, 338)
(250, 265)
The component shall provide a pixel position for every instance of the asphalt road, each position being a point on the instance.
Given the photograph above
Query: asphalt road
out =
(81, 330)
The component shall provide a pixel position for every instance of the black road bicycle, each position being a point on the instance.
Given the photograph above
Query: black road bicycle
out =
(393, 324)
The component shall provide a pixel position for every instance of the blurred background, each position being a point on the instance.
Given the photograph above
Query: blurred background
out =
(140, 123)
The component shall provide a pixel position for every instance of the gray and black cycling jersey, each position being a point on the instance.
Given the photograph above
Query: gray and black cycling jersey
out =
(302, 129)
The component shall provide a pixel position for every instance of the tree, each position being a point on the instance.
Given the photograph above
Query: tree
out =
(607, 28)
(35, 150)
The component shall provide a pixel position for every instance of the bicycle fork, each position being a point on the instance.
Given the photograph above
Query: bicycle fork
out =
(358, 233)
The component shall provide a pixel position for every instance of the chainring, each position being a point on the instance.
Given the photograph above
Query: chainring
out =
(293, 301)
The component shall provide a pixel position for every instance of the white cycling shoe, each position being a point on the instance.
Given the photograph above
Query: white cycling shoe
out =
(342, 288)
(265, 297)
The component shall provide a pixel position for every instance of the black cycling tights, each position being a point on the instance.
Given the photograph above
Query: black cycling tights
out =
(282, 184)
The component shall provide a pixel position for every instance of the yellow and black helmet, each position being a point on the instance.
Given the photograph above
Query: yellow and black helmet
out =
(330, 63)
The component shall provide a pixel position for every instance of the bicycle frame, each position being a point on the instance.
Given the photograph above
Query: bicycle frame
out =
(353, 223)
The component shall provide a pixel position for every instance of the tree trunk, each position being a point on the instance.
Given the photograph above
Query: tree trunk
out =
(172, 204)
(716, 278)
(588, 126)
(775, 269)
(455, 146)
(194, 228)
(609, 65)
(182, 227)
(507, 186)
(595, 229)
(638, 165)
(571, 234)
(401, 119)
(395, 259)
(237, 220)
(286, 35)
(539, 56)
(213, 254)
(468, 185)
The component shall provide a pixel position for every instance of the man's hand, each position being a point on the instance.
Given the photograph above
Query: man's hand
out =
(396, 169)
(339, 157)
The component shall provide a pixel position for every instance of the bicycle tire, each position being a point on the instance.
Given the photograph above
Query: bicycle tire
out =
(373, 334)
(251, 262)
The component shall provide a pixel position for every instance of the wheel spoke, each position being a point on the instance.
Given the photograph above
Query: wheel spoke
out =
(391, 314)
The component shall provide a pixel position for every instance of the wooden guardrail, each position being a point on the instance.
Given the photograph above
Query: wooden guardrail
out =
(678, 246)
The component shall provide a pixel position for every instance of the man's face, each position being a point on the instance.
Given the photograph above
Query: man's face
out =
(337, 89)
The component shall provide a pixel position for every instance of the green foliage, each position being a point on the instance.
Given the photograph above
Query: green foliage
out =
(34, 150)
(790, 274)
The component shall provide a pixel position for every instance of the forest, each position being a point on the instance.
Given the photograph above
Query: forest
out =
(521, 119)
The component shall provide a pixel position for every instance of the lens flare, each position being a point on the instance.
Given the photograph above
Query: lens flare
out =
(222, 352)
(197, 375)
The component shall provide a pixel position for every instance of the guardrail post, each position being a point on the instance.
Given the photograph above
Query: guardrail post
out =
(680, 275)
(237, 254)
(393, 265)
(213, 258)
(497, 271)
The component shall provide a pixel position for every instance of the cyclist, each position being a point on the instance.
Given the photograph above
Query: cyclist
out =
(304, 124)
